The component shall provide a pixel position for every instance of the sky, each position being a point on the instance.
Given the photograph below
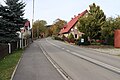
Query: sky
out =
(50, 10)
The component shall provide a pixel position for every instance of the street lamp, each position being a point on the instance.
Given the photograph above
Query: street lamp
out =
(33, 19)
(33, 9)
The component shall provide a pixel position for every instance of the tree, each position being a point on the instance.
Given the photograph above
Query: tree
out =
(48, 32)
(39, 27)
(7, 30)
(117, 23)
(71, 36)
(92, 23)
(16, 12)
(11, 20)
(110, 26)
(57, 26)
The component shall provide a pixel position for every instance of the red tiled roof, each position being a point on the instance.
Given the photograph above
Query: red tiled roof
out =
(71, 23)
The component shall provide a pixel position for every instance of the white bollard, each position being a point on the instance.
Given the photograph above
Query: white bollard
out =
(9, 45)
(20, 43)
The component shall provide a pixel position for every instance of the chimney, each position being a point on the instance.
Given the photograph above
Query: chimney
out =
(71, 18)
(74, 15)
(78, 14)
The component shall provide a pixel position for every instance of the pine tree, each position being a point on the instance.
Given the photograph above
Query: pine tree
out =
(11, 20)
(92, 24)
(16, 9)
(6, 30)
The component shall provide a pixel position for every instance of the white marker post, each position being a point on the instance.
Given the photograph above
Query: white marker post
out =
(9, 46)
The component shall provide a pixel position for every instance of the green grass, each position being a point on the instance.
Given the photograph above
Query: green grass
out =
(8, 64)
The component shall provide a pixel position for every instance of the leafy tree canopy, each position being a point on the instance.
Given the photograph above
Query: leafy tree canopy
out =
(57, 26)
(39, 26)
(91, 23)
(110, 26)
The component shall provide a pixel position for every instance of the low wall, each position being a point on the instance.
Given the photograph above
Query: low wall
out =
(117, 39)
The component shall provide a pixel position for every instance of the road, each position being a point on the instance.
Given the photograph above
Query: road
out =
(35, 66)
(81, 63)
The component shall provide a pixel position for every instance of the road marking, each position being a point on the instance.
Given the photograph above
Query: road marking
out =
(115, 69)
(68, 50)
(102, 64)
(53, 44)
(57, 67)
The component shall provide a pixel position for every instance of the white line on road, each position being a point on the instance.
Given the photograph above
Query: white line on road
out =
(53, 44)
(68, 50)
(58, 68)
(115, 69)
(107, 66)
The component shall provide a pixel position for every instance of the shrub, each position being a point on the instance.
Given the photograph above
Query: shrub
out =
(57, 38)
(71, 38)
(109, 40)
(86, 42)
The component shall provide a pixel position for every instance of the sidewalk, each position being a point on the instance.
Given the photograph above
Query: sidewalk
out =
(35, 66)
(114, 51)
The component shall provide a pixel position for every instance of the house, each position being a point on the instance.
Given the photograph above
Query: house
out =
(71, 27)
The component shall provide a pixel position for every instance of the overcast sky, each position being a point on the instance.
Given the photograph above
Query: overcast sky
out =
(50, 10)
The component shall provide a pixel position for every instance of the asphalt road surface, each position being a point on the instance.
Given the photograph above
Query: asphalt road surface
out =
(35, 66)
(82, 63)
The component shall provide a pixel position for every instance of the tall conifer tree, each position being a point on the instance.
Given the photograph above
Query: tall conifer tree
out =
(12, 20)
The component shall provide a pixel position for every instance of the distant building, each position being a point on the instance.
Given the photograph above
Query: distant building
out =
(71, 27)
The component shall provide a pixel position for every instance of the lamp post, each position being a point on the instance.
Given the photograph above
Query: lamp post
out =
(33, 19)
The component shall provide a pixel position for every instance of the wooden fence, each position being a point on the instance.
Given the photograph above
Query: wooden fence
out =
(8, 48)
(4, 50)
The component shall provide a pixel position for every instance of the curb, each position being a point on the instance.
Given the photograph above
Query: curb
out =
(55, 65)
(13, 74)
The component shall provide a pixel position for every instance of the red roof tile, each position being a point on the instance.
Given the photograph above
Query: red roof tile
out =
(71, 23)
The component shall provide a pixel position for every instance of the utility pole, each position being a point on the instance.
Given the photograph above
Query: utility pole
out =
(33, 19)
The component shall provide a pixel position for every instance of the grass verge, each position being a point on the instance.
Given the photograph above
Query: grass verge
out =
(8, 64)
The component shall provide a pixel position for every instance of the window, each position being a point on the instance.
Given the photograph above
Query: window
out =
(72, 29)
(75, 35)
(75, 27)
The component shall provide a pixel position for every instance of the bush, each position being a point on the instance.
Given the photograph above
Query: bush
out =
(78, 41)
(71, 38)
(109, 40)
(57, 38)
(86, 42)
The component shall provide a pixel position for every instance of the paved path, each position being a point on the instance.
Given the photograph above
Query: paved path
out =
(114, 51)
(35, 66)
